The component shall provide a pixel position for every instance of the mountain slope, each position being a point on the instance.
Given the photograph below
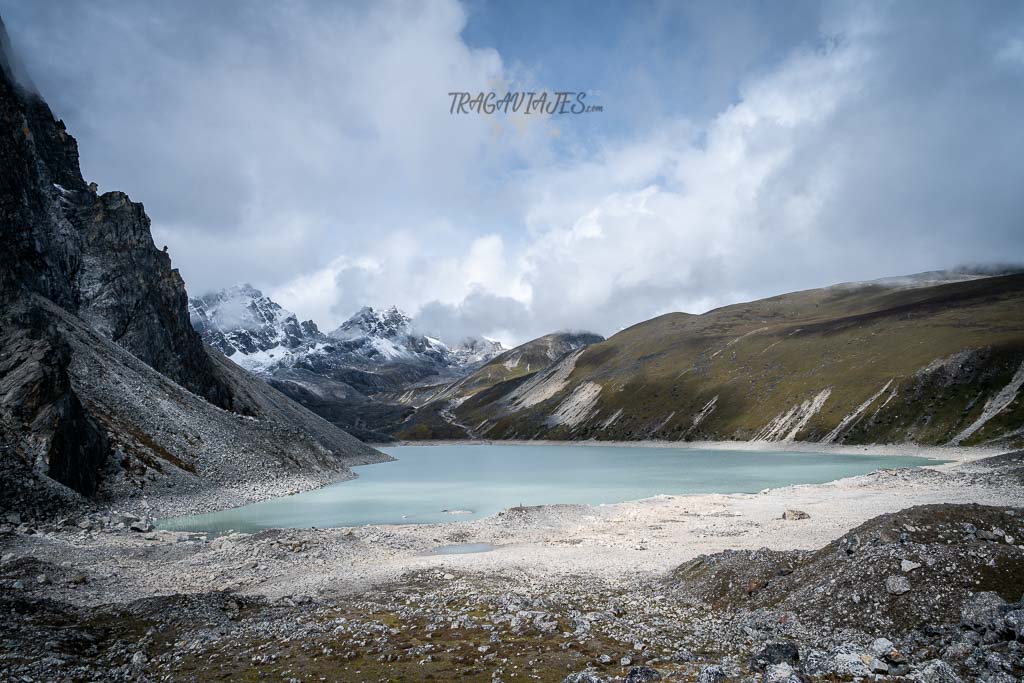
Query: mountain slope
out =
(104, 385)
(434, 418)
(866, 362)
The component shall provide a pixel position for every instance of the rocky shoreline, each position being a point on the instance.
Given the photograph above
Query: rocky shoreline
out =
(680, 588)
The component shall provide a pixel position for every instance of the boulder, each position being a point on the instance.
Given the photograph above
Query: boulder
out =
(642, 674)
(984, 612)
(881, 647)
(586, 676)
(775, 653)
(795, 514)
(711, 674)
(142, 526)
(781, 673)
(897, 585)
(845, 661)
(906, 566)
(1014, 621)
(937, 671)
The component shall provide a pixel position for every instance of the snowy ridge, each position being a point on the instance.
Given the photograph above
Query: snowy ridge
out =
(262, 337)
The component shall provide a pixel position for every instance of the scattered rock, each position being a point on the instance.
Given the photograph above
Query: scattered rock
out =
(587, 676)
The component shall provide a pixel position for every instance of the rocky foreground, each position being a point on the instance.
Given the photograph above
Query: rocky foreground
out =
(929, 593)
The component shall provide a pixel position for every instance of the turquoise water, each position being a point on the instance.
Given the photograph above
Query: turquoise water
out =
(430, 483)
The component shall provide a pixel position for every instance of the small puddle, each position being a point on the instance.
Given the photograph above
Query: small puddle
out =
(462, 549)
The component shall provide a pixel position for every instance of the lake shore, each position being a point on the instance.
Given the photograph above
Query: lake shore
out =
(956, 454)
(543, 542)
(195, 499)
(566, 586)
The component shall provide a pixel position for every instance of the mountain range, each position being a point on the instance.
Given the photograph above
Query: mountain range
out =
(932, 358)
(349, 375)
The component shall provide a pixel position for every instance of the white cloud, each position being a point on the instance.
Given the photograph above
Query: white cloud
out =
(308, 149)
(840, 163)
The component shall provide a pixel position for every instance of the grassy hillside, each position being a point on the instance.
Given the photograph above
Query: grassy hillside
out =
(852, 363)
(435, 421)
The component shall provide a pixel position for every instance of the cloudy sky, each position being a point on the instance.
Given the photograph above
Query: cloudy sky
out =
(743, 150)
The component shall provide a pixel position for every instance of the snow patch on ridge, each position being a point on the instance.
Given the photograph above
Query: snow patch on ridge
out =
(849, 419)
(545, 384)
(577, 406)
(708, 408)
(787, 425)
(612, 420)
(738, 339)
(661, 425)
(994, 406)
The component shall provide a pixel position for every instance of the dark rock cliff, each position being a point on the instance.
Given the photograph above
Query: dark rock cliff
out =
(81, 280)
(91, 254)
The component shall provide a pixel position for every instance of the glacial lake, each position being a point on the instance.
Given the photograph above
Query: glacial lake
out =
(449, 483)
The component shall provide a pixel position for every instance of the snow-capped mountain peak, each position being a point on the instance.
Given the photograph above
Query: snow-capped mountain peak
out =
(249, 327)
(387, 324)
(261, 336)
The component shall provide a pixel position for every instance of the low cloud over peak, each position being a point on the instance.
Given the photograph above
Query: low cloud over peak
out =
(309, 149)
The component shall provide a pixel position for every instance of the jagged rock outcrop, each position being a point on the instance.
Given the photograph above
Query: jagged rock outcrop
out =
(98, 346)
(91, 254)
(44, 428)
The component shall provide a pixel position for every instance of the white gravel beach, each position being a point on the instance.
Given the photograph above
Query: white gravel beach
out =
(614, 542)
